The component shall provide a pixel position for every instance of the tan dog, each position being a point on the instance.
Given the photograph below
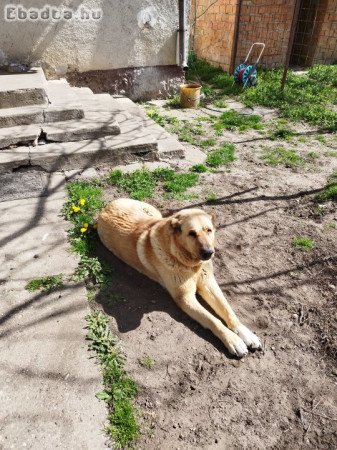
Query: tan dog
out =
(176, 252)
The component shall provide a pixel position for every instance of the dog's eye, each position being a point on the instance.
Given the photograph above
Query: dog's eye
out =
(209, 230)
(192, 233)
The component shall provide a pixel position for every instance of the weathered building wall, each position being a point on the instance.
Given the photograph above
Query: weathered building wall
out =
(212, 30)
(130, 34)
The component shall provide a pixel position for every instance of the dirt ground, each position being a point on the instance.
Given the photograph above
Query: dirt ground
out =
(196, 396)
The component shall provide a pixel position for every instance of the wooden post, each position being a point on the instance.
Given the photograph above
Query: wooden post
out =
(291, 41)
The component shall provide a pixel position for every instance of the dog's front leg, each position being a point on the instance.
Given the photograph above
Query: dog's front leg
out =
(187, 301)
(210, 291)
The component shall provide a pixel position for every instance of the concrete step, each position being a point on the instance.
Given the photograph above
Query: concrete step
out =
(37, 114)
(22, 134)
(56, 156)
(23, 89)
(78, 130)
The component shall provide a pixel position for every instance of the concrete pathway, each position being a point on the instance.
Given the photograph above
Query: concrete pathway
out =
(48, 382)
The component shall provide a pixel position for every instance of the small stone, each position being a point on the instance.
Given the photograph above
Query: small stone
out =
(35, 256)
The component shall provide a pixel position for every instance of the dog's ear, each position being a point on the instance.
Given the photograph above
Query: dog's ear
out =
(175, 224)
(213, 217)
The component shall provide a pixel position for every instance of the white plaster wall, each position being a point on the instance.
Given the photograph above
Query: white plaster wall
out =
(120, 39)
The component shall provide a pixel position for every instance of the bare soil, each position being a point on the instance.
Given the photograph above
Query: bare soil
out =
(196, 396)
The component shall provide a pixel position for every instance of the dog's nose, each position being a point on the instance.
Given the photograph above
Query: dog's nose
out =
(206, 254)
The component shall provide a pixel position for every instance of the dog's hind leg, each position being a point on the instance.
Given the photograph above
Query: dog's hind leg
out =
(190, 305)
(210, 291)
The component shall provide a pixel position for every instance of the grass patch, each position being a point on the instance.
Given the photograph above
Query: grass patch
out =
(139, 184)
(332, 153)
(320, 138)
(142, 183)
(187, 130)
(119, 389)
(221, 157)
(312, 155)
(91, 269)
(330, 190)
(282, 132)
(45, 284)
(147, 362)
(206, 143)
(85, 199)
(173, 102)
(280, 156)
(303, 242)
(199, 168)
(305, 98)
(233, 121)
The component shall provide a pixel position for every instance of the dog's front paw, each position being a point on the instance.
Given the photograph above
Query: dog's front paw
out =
(236, 346)
(249, 338)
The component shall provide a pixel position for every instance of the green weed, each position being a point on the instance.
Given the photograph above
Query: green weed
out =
(331, 153)
(304, 243)
(142, 183)
(302, 139)
(282, 132)
(232, 120)
(321, 138)
(181, 182)
(306, 97)
(221, 103)
(139, 184)
(312, 155)
(173, 102)
(146, 361)
(199, 168)
(90, 268)
(206, 143)
(45, 284)
(275, 156)
(119, 389)
(330, 190)
(221, 157)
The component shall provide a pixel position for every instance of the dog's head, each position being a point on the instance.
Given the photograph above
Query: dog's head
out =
(193, 233)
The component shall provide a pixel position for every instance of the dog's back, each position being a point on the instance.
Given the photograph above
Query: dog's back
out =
(121, 223)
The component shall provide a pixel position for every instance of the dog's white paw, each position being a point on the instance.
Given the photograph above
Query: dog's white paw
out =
(236, 346)
(249, 338)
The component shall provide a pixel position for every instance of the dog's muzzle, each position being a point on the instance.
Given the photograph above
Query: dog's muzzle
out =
(206, 254)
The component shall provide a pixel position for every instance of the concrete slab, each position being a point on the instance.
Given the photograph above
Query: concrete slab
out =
(24, 115)
(21, 134)
(22, 89)
(84, 129)
(13, 158)
(22, 185)
(48, 379)
(84, 154)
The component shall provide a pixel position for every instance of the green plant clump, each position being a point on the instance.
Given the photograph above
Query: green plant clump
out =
(119, 389)
(222, 156)
(329, 192)
(232, 120)
(275, 156)
(304, 243)
(45, 284)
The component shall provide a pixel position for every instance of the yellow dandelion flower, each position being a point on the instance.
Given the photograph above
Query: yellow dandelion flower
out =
(76, 209)
(82, 201)
(83, 230)
(85, 225)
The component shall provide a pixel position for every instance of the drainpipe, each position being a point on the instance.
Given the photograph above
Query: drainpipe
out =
(182, 35)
